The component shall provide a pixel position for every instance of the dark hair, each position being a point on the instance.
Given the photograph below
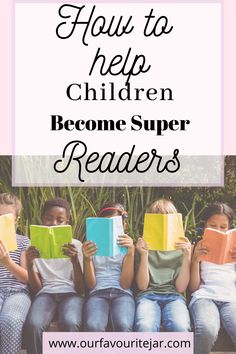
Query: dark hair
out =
(108, 209)
(11, 199)
(218, 209)
(57, 202)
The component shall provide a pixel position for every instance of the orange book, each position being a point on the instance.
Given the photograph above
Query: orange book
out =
(219, 245)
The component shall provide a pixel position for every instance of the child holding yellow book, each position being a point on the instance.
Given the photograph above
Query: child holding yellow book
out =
(213, 286)
(162, 277)
(14, 295)
(56, 282)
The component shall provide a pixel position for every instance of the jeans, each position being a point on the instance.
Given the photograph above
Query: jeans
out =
(109, 304)
(170, 310)
(14, 307)
(68, 308)
(207, 316)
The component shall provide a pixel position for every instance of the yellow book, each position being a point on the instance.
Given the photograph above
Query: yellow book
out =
(161, 231)
(8, 232)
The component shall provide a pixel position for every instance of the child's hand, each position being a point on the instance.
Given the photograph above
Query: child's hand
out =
(185, 245)
(4, 255)
(200, 250)
(89, 249)
(71, 251)
(142, 246)
(31, 253)
(126, 241)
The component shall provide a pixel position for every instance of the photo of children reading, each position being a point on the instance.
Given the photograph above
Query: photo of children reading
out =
(162, 277)
(110, 300)
(14, 294)
(57, 282)
(212, 285)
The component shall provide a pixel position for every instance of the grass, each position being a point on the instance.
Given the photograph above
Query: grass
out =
(86, 201)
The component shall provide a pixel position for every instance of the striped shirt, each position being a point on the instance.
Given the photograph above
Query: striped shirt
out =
(7, 279)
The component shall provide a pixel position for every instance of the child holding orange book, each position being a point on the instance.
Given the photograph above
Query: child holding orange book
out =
(109, 280)
(162, 277)
(213, 286)
(14, 295)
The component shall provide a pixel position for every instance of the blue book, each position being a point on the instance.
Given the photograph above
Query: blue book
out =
(104, 232)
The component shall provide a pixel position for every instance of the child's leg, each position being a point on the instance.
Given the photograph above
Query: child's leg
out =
(38, 320)
(175, 315)
(70, 313)
(148, 314)
(122, 312)
(228, 319)
(206, 319)
(12, 318)
(96, 312)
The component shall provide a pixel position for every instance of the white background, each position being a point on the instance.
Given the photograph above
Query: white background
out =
(188, 60)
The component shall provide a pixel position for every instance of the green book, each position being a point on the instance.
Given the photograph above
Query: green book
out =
(49, 240)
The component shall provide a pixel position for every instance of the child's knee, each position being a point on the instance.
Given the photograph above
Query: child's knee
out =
(71, 324)
(180, 326)
(11, 323)
(145, 325)
(123, 325)
(94, 325)
(207, 329)
(34, 324)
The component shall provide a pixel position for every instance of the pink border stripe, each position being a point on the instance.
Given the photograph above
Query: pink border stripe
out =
(5, 75)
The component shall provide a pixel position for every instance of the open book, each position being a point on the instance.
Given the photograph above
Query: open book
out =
(8, 232)
(50, 239)
(219, 245)
(104, 232)
(161, 231)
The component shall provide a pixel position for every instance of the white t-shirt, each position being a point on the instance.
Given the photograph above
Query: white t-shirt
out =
(218, 282)
(57, 273)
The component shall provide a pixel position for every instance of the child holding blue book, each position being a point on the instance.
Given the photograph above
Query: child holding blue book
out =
(57, 282)
(109, 280)
(213, 286)
(14, 294)
(162, 277)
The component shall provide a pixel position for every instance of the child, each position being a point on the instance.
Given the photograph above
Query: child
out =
(57, 283)
(162, 277)
(213, 286)
(14, 295)
(109, 280)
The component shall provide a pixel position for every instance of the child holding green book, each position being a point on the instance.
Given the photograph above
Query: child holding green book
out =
(109, 279)
(14, 295)
(162, 277)
(56, 282)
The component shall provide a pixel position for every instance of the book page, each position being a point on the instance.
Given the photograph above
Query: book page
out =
(154, 232)
(8, 232)
(118, 230)
(100, 231)
(215, 241)
(39, 238)
(59, 235)
(175, 232)
(231, 243)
